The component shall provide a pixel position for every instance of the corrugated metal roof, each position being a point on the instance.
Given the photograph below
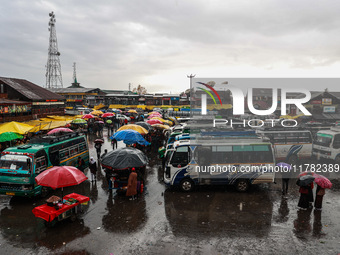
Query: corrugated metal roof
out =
(30, 90)
(73, 90)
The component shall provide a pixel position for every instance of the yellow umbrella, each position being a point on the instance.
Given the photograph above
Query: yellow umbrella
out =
(137, 128)
(168, 122)
(97, 112)
(133, 111)
(160, 126)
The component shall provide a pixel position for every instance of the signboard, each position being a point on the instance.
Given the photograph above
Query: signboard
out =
(327, 101)
(316, 102)
(329, 109)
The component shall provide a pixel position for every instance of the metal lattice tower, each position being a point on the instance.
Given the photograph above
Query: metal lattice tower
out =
(53, 67)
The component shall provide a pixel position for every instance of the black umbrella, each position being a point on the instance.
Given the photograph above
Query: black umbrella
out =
(143, 124)
(305, 180)
(124, 158)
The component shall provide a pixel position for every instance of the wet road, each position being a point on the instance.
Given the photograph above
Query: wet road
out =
(206, 221)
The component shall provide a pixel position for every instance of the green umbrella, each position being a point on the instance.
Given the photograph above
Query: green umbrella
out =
(109, 121)
(9, 136)
(79, 121)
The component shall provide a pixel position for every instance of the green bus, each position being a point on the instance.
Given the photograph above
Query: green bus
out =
(20, 165)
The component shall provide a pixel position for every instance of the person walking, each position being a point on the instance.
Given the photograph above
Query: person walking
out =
(81, 164)
(98, 147)
(320, 192)
(286, 175)
(105, 152)
(304, 201)
(132, 185)
(93, 169)
(114, 144)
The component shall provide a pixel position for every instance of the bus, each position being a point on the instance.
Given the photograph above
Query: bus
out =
(20, 165)
(327, 145)
(219, 161)
(291, 145)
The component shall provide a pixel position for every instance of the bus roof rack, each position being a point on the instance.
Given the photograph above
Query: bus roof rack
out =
(50, 139)
(281, 128)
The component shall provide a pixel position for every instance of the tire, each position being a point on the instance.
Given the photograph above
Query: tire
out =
(293, 160)
(337, 159)
(186, 185)
(242, 185)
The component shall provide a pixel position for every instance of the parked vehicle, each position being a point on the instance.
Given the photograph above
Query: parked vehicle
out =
(290, 145)
(20, 165)
(187, 164)
(327, 144)
(123, 117)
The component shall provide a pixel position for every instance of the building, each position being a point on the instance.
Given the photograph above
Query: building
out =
(24, 100)
(79, 96)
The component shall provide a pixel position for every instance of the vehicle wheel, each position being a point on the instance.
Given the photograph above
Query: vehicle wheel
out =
(44, 192)
(293, 160)
(242, 185)
(186, 185)
(337, 159)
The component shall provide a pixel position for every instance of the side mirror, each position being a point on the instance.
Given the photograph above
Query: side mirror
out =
(28, 161)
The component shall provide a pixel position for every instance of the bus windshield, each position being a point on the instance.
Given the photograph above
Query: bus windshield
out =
(323, 139)
(15, 162)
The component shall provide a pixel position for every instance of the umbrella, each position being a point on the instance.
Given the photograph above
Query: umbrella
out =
(160, 126)
(108, 114)
(79, 121)
(143, 124)
(137, 128)
(124, 158)
(283, 165)
(97, 112)
(154, 121)
(109, 121)
(305, 180)
(154, 115)
(60, 176)
(99, 122)
(132, 111)
(99, 141)
(154, 112)
(87, 116)
(129, 136)
(60, 130)
(9, 136)
(322, 181)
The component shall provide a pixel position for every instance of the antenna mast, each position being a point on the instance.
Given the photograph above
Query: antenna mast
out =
(53, 67)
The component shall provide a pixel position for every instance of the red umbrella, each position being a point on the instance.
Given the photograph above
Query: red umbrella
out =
(154, 121)
(322, 181)
(87, 116)
(108, 114)
(60, 176)
(60, 130)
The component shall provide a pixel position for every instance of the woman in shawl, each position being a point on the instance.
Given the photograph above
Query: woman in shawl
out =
(132, 185)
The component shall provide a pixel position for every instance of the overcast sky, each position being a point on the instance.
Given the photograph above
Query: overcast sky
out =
(158, 43)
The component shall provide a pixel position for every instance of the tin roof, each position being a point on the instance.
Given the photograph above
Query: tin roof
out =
(30, 90)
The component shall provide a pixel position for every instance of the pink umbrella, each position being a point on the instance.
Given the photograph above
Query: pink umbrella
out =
(322, 181)
(154, 121)
(87, 116)
(60, 130)
(154, 115)
(108, 114)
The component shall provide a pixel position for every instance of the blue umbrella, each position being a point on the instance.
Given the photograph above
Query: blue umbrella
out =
(283, 164)
(129, 136)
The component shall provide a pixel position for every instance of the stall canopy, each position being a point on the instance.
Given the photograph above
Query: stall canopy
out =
(16, 127)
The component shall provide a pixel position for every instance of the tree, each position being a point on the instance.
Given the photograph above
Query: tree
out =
(140, 90)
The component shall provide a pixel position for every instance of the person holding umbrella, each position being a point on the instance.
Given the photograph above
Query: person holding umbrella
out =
(306, 191)
(322, 184)
(98, 146)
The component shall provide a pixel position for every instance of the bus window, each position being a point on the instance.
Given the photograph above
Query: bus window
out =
(222, 154)
(323, 139)
(14, 162)
(262, 154)
(203, 155)
(40, 161)
(181, 157)
(242, 153)
(336, 142)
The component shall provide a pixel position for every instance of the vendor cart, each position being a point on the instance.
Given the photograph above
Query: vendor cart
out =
(72, 205)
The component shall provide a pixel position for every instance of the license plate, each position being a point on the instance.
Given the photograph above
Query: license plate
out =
(10, 193)
(85, 203)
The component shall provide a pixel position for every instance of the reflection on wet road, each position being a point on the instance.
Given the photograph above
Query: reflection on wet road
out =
(206, 221)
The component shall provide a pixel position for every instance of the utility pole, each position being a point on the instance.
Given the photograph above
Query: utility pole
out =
(191, 76)
(191, 91)
(53, 67)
